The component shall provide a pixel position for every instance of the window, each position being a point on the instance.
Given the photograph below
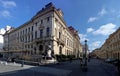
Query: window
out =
(48, 31)
(60, 50)
(41, 21)
(28, 38)
(32, 38)
(20, 33)
(48, 19)
(35, 34)
(28, 46)
(35, 50)
(36, 23)
(18, 36)
(41, 33)
(31, 46)
(29, 29)
(26, 30)
(23, 32)
(32, 28)
(25, 38)
(59, 34)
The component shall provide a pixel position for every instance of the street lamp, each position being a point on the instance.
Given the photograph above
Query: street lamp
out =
(84, 67)
(85, 52)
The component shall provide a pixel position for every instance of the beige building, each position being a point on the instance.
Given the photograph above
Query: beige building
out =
(111, 47)
(45, 31)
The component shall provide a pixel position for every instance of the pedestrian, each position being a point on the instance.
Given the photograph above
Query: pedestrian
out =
(81, 61)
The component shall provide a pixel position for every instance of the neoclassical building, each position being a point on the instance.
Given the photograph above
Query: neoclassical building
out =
(45, 31)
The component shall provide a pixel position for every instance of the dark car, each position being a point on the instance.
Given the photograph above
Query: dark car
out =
(110, 60)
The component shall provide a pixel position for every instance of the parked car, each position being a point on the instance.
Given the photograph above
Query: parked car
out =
(110, 60)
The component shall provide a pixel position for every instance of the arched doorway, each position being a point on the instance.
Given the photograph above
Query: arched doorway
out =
(60, 50)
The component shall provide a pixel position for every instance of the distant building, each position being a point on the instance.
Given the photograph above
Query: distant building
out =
(111, 47)
(47, 28)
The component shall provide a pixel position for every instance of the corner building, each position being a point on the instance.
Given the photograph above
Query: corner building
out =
(33, 38)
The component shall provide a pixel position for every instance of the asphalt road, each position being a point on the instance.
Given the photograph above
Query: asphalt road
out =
(95, 68)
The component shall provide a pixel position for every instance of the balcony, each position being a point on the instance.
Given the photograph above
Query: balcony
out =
(43, 38)
(60, 41)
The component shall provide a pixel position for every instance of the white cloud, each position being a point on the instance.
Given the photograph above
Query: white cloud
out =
(1, 39)
(8, 27)
(92, 19)
(5, 14)
(102, 12)
(8, 4)
(83, 37)
(90, 30)
(2, 31)
(105, 29)
(95, 45)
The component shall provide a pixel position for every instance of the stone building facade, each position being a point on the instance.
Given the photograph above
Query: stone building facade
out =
(46, 30)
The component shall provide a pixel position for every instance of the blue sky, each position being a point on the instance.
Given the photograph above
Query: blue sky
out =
(94, 19)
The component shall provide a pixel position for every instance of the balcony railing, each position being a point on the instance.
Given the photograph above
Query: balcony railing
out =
(60, 41)
(43, 38)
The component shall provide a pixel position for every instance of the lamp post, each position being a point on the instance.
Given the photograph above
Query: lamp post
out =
(84, 67)
(85, 52)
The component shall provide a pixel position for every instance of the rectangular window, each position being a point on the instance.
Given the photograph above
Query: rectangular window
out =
(32, 38)
(20, 33)
(28, 38)
(48, 18)
(23, 32)
(59, 34)
(41, 33)
(28, 46)
(26, 30)
(25, 39)
(48, 31)
(36, 23)
(41, 21)
(35, 34)
(29, 29)
(32, 28)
